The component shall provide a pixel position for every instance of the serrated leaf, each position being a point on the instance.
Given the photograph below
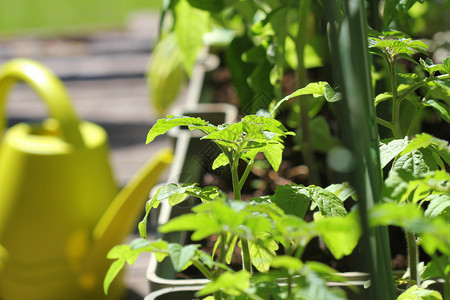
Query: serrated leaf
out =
(440, 107)
(173, 192)
(329, 204)
(417, 293)
(164, 125)
(316, 89)
(446, 64)
(429, 66)
(228, 133)
(417, 162)
(220, 161)
(342, 190)
(274, 154)
(290, 201)
(181, 256)
(262, 255)
(438, 204)
(422, 140)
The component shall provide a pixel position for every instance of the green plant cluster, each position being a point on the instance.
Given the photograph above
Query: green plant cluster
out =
(266, 39)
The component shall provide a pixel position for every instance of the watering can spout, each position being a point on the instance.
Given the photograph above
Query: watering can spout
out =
(60, 208)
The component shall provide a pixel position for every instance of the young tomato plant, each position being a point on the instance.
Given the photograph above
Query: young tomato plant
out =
(259, 226)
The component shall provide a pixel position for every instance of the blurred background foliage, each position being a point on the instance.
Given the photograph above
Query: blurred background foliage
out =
(65, 16)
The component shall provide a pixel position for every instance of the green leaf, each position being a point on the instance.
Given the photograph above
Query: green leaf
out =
(164, 125)
(438, 204)
(446, 64)
(383, 97)
(329, 204)
(331, 95)
(220, 161)
(113, 271)
(290, 263)
(173, 192)
(232, 284)
(422, 140)
(142, 226)
(394, 214)
(190, 25)
(417, 162)
(208, 5)
(317, 89)
(128, 254)
(340, 234)
(435, 237)
(438, 267)
(274, 154)
(262, 252)
(181, 256)
(440, 107)
(417, 293)
(342, 190)
(165, 73)
(400, 184)
(228, 133)
(394, 9)
(429, 66)
(240, 71)
(202, 225)
(291, 201)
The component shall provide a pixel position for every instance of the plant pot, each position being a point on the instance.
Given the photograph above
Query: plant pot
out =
(355, 279)
(174, 293)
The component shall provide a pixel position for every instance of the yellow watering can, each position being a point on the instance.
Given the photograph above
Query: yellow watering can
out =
(60, 210)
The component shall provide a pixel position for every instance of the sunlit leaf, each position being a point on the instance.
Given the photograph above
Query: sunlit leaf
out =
(181, 256)
(164, 125)
(417, 293)
(340, 234)
(342, 190)
(230, 283)
(438, 204)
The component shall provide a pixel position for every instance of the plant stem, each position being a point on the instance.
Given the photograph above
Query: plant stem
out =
(246, 260)
(223, 248)
(289, 287)
(396, 130)
(300, 42)
(201, 267)
(246, 172)
(419, 84)
(413, 256)
(235, 177)
(385, 123)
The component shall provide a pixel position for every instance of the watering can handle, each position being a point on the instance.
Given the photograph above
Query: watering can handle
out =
(49, 88)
